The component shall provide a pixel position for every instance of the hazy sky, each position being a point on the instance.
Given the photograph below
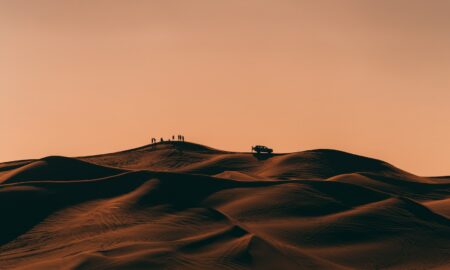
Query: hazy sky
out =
(88, 77)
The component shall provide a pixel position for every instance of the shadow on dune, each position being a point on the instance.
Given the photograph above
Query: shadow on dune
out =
(320, 209)
(24, 205)
(262, 156)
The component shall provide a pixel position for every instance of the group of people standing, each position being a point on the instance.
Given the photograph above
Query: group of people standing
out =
(179, 138)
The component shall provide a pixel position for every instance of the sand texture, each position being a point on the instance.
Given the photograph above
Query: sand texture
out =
(179, 205)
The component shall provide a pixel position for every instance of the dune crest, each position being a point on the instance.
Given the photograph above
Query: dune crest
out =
(179, 205)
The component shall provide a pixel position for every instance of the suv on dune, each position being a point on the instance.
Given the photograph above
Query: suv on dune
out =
(262, 149)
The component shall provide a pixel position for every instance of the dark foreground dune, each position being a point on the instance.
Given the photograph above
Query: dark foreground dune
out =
(186, 206)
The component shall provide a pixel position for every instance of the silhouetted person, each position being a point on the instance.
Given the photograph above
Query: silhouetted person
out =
(162, 139)
(173, 137)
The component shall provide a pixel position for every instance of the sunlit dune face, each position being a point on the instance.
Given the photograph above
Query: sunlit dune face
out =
(369, 77)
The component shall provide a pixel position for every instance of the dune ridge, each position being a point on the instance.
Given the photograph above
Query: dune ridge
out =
(179, 205)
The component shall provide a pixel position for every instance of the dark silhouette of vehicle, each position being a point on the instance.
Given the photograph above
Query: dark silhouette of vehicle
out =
(262, 149)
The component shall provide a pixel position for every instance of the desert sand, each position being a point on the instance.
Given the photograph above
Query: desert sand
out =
(180, 205)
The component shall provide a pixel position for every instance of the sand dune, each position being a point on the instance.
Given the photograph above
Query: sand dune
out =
(57, 168)
(186, 206)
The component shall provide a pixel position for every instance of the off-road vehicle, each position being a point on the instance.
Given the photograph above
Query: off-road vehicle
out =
(262, 149)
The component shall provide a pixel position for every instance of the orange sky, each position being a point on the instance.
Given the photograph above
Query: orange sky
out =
(88, 77)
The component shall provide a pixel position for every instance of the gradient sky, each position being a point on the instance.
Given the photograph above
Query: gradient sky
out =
(89, 77)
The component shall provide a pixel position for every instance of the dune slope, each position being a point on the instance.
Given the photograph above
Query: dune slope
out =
(180, 205)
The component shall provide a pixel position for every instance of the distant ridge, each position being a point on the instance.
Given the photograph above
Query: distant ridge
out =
(58, 168)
